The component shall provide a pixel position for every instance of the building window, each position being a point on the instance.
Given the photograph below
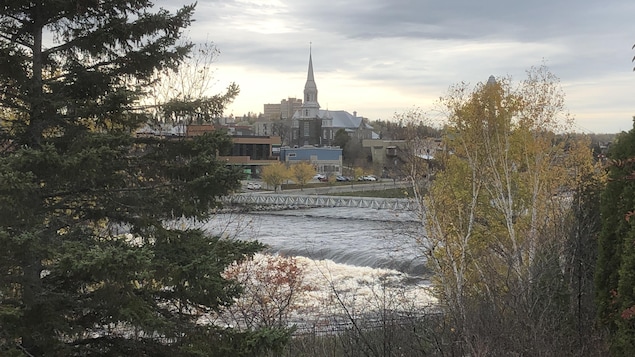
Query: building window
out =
(306, 129)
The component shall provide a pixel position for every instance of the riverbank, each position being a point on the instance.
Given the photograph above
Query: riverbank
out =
(359, 189)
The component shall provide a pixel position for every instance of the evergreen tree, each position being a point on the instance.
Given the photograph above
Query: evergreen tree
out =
(341, 138)
(615, 277)
(92, 262)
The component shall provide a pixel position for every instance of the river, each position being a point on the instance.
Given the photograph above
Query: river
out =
(360, 255)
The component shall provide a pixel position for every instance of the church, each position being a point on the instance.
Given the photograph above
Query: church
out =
(312, 126)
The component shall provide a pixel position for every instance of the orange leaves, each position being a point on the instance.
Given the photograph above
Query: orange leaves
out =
(621, 163)
(628, 313)
(271, 286)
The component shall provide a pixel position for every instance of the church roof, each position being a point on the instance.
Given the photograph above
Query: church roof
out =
(341, 119)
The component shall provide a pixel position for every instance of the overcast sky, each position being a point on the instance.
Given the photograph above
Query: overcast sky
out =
(381, 57)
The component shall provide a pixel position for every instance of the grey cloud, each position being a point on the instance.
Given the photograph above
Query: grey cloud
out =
(449, 19)
(425, 44)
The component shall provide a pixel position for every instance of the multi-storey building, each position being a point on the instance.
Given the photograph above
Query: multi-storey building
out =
(324, 160)
(252, 153)
(284, 110)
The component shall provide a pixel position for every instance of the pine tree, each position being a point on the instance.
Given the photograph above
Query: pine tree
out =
(92, 261)
(615, 277)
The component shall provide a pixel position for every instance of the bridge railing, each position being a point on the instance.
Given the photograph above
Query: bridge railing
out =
(399, 204)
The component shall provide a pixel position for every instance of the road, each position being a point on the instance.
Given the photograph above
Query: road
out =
(330, 189)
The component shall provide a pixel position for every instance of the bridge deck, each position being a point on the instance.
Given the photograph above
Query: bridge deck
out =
(399, 204)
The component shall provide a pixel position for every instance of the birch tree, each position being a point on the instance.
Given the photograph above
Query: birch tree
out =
(494, 214)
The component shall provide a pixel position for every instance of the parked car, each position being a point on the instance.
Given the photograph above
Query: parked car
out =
(254, 186)
(319, 177)
(367, 178)
(342, 178)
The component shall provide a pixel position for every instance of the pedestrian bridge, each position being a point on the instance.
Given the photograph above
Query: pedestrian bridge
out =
(398, 204)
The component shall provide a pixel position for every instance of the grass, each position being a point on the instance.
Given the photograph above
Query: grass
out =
(388, 193)
(292, 186)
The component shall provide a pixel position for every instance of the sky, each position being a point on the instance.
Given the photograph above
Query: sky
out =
(380, 58)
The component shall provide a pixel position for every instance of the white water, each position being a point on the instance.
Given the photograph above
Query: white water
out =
(352, 236)
(356, 259)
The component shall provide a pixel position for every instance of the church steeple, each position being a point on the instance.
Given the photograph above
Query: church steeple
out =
(310, 107)
(309, 77)
(308, 126)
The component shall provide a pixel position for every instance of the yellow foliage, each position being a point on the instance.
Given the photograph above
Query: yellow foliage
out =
(302, 172)
(358, 171)
(502, 193)
(275, 174)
